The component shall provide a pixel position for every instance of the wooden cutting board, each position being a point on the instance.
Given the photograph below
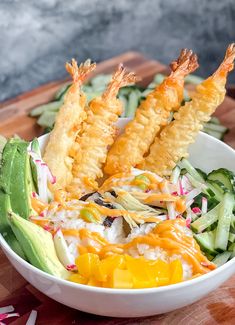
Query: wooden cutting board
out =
(216, 308)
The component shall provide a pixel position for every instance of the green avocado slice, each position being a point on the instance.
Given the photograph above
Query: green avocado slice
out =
(3, 142)
(21, 185)
(36, 149)
(8, 155)
(38, 246)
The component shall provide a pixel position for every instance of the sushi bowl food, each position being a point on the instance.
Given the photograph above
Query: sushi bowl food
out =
(124, 217)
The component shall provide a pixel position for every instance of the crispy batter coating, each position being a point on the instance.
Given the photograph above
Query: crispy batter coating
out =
(128, 150)
(174, 140)
(98, 132)
(67, 126)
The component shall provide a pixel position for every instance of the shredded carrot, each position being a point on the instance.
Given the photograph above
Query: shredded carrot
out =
(38, 205)
(180, 205)
(160, 197)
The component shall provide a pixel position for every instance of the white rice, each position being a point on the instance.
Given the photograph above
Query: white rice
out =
(140, 231)
(69, 219)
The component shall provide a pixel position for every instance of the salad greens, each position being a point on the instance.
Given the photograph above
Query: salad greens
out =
(131, 96)
(214, 227)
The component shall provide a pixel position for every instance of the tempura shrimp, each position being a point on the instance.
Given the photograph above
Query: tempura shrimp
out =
(174, 140)
(67, 126)
(130, 147)
(98, 132)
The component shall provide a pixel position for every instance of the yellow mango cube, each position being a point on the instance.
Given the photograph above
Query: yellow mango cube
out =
(121, 279)
(87, 264)
(107, 266)
(76, 277)
(161, 272)
(140, 270)
(93, 282)
(176, 271)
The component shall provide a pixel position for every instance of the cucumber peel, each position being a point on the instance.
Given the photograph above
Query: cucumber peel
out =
(224, 221)
(206, 241)
(217, 188)
(184, 163)
(222, 258)
(225, 176)
(206, 220)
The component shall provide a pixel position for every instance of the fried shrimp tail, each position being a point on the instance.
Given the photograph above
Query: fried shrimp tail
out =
(98, 132)
(67, 126)
(130, 147)
(174, 140)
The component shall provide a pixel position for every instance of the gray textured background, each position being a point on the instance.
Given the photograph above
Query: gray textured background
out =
(37, 37)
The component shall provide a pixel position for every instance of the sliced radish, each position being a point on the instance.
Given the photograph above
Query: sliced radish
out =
(196, 210)
(32, 318)
(192, 194)
(62, 250)
(187, 185)
(204, 205)
(170, 206)
(7, 309)
(4, 316)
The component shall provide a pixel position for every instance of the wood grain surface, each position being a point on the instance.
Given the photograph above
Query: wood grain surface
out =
(216, 308)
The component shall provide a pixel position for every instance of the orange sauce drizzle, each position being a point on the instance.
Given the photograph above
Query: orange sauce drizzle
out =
(38, 205)
(166, 235)
(115, 181)
(180, 205)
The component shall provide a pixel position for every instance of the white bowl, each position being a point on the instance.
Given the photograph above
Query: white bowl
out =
(207, 153)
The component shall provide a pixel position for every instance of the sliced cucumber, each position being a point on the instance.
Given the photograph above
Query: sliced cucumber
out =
(92, 95)
(206, 220)
(146, 92)
(193, 79)
(100, 80)
(175, 175)
(47, 119)
(233, 221)
(184, 163)
(205, 189)
(183, 171)
(61, 92)
(202, 173)
(218, 189)
(61, 247)
(50, 107)
(225, 176)
(206, 240)
(232, 250)
(35, 147)
(132, 104)
(158, 78)
(209, 257)
(216, 127)
(215, 134)
(214, 120)
(222, 258)
(224, 221)
(124, 103)
(231, 237)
